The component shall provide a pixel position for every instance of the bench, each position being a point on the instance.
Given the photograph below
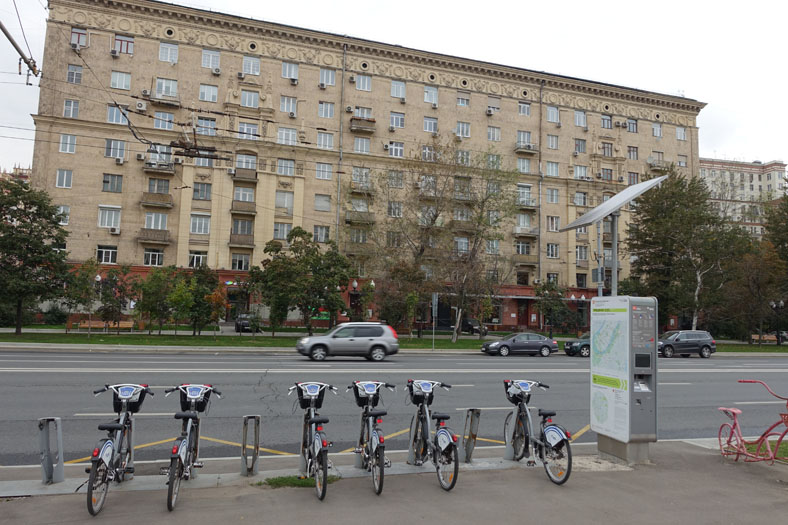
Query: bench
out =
(765, 338)
(101, 325)
(92, 325)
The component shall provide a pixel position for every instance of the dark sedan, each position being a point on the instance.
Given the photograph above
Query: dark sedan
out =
(527, 343)
(580, 346)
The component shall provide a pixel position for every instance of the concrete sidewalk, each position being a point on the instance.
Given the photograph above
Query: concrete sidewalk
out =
(684, 484)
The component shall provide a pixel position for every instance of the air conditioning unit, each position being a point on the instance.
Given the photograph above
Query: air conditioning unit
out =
(146, 92)
(321, 85)
(230, 171)
(119, 161)
(574, 154)
(241, 75)
(352, 79)
(537, 280)
(558, 124)
(178, 160)
(114, 53)
(598, 175)
(434, 134)
(348, 109)
(621, 179)
(141, 106)
(434, 105)
(490, 111)
(392, 128)
(140, 156)
(114, 231)
(74, 46)
(585, 129)
(217, 71)
(293, 81)
(587, 178)
(401, 100)
(292, 114)
(385, 147)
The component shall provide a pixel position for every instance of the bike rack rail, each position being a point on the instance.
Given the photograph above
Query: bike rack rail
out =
(411, 451)
(51, 472)
(252, 469)
(469, 433)
(508, 451)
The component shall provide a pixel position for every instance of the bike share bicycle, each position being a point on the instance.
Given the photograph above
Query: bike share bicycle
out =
(112, 456)
(551, 446)
(371, 445)
(194, 400)
(314, 444)
(442, 449)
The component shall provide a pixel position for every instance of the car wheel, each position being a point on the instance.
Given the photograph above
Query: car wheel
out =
(318, 353)
(667, 351)
(503, 351)
(378, 353)
(705, 352)
(544, 351)
(585, 351)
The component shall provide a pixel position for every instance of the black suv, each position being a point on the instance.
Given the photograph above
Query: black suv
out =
(686, 342)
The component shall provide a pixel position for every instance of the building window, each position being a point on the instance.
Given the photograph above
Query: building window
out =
(243, 194)
(74, 75)
(361, 145)
(120, 80)
(523, 138)
(284, 201)
(107, 254)
(493, 247)
(64, 212)
(681, 133)
(524, 165)
(396, 180)
(63, 179)
(522, 247)
(323, 171)
(325, 109)
(463, 157)
(581, 280)
(462, 214)
(552, 278)
(285, 167)
(682, 161)
(242, 227)
(247, 130)
(553, 114)
(552, 141)
(327, 76)
(607, 149)
(396, 149)
(200, 224)
(155, 220)
(580, 145)
(322, 202)
(553, 223)
(209, 93)
(250, 99)
(160, 154)
(493, 133)
(71, 108)
(240, 261)
(581, 172)
(607, 121)
(79, 36)
(112, 183)
(166, 87)
(168, 52)
(581, 252)
(68, 143)
(524, 108)
(116, 115)
(282, 230)
(163, 120)
(361, 177)
(494, 104)
(430, 125)
(287, 136)
(363, 83)
(632, 152)
(210, 58)
(153, 257)
(251, 66)
(288, 104)
(463, 100)
(552, 169)
(552, 250)
(206, 126)
(428, 153)
(246, 162)
(395, 209)
(393, 239)
(397, 89)
(358, 235)
(581, 198)
(325, 140)
(552, 195)
(197, 259)
(362, 112)
(656, 129)
(109, 217)
(202, 191)
(580, 119)
(321, 234)
(431, 94)
(607, 174)
(397, 120)
(493, 161)
(289, 70)
(124, 44)
(463, 129)
(632, 125)
(461, 245)
(633, 177)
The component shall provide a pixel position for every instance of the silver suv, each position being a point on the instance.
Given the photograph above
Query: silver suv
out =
(372, 340)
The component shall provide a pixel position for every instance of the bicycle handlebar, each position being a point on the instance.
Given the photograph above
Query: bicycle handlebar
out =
(765, 386)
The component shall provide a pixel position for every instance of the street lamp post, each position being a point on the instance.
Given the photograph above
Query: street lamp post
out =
(777, 306)
(355, 301)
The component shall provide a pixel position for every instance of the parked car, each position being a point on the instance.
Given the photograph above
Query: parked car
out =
(374, 341)
(242, 324)
(686, 342)
(525, 342)
(581, 346)
(473, 326)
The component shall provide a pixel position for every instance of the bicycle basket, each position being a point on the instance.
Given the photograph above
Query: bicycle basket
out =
(306, 401)
(134, 404)
(417, 396)
(361, 400)
(200, 405)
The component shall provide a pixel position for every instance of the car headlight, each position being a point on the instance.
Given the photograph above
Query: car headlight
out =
(304, 340)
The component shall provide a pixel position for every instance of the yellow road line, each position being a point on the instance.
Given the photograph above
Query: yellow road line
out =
(395, 434)
(144, 445)
(233, 443)
(498, 441)
(580, 433)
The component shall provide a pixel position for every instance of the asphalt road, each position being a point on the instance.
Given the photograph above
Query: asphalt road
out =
(34, 385)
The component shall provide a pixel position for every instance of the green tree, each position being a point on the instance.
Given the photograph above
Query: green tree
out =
(777, 227)
(116, 290)
(81, 290)
(153, 293)
(181, 299)
(218, 302)
(551, 303)
(32, 267)
(204, 282)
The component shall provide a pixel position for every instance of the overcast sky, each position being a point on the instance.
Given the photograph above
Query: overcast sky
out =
(728, 54)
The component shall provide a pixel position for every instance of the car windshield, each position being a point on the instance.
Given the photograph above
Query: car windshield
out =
(586, 335)
(670, 336)
(337, 327)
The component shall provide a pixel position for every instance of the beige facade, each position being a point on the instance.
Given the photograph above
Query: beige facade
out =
(294, 112)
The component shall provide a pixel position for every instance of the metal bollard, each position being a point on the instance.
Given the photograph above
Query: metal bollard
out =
(51, 472)
(246, 468)
(508, 452)
(469, 433)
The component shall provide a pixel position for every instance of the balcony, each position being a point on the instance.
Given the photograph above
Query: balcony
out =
(362, 125)
(356, 248)
(283, 213)
(526, 202)
(526, 260)
(526, 148)
(525, 231)
(462, 226)
(152, 166)
(581, 237)
(164, 100)
(463, 195)
(243, 207)
(607, 237)
(156, 200)
(151, 236)
(361, 187)
(582, 264)
(658, 165)
(240, 240)
(243, 174)
(363, 217)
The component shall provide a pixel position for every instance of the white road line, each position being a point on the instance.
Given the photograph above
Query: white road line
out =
(485, 408)
(671, 384)
(455, 386)
(384, 370)
(113, 414)
(759, 403)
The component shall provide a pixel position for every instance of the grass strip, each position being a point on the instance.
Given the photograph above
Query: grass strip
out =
(781, 452)
(292, 481)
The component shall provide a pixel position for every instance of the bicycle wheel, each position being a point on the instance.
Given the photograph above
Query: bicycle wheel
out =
(377, 462)
(447, 467)
(557, 460)
(98, 485)
(730, 445)
(321, 474)
(174, 484)
(419, 442)
(520, 436)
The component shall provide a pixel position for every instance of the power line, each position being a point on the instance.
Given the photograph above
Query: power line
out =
(22, 28)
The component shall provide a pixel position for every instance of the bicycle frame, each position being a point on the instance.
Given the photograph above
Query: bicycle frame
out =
(444, 436)
(313, 439)
(108, 449)
(552, 432)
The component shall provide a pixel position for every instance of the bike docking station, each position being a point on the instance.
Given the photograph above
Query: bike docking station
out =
(51, 471)
(253, 468)
(469, 433)
(624, 376)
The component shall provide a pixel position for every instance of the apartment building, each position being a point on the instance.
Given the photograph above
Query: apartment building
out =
(741, 190)
(173, 135)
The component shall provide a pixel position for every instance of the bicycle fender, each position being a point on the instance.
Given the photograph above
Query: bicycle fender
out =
(183, 446)
(374, 440)
(317, 443)
(554, 434)
(444, 438)
(106, 451)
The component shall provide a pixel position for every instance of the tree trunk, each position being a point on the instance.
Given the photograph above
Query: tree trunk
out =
(18, 330)
(90, 322)
(760, 332)
(457, 326)
(698, 286)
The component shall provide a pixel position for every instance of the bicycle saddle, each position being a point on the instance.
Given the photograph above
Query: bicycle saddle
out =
(110, 426)
(186, 415)
(731, 410)
(546, 413)
(440, 417)
(377, 413)
(318, 420)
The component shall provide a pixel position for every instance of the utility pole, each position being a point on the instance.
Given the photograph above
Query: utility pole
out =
(31, 64)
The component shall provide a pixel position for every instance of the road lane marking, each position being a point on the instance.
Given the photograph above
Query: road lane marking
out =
(455, 386)
(113, 414)
(672, 384)
(759, 403)
(395, 434)
(424, 371)
(485, 408)
(145, 445)
(233, 443)
(580, 433)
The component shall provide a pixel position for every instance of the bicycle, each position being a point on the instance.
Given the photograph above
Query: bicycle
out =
(732, 444)
(314, 445)
(442, 449)
(185, 450)
(370, 441)
(110, 460)
(551, 446)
